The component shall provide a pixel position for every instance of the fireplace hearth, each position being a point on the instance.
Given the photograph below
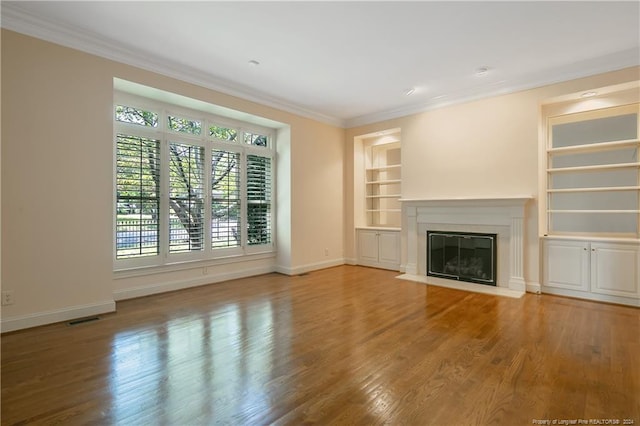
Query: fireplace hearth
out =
(462, 256)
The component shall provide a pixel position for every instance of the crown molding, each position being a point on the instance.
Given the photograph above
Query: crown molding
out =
(16, 19)
(612, 62)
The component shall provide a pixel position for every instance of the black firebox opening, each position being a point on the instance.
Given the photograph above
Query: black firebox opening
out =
(463, 256)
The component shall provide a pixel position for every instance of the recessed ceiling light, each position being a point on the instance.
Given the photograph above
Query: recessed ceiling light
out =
(410, 92)
(589, 94)
(254, 63)
(480, 71)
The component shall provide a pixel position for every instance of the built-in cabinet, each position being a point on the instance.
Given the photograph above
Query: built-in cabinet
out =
(593, 270)
(377, 192)
(590, 206)
(379, 248)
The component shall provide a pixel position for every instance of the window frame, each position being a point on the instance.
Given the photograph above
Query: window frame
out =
(167, 136)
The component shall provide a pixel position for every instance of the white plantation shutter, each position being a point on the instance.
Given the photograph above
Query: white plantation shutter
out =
(225, 199)
(190, 186)
(138, 196)
(259, 190)
(186, 198)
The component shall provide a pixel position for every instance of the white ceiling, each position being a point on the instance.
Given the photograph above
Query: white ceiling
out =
(348, 63)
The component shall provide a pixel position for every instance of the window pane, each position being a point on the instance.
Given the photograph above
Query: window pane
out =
(126, 114)
(223, 133)
(138, 202)
(225, 199)
(258, 200)
(184, 125)
(255, 139)
(186, 198)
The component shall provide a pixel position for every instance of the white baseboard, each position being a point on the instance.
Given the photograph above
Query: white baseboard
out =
(533, 287)
(517, 284)
(148, 290)
(411, 269)
(350, 261)
(50, 317)
(595, 297)
(310, 267)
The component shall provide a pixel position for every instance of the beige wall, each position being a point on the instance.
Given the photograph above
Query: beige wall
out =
(317, 196)
(481, 149)
(57, 154)
(56, 178)
(57, 185)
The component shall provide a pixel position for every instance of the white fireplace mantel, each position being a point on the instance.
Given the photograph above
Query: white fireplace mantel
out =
(464, 201)
(505, 215)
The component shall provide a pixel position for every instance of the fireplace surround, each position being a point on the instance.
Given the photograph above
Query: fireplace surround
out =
(501, 216)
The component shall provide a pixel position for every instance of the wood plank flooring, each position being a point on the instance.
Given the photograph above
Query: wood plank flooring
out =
(346, 345)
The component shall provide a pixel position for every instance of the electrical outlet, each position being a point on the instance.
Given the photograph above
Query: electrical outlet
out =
(326, 252)
(7, 298)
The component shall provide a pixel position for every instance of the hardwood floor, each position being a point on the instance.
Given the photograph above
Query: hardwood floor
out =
(346, 345)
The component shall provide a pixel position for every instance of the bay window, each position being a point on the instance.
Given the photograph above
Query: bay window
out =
(185, 194)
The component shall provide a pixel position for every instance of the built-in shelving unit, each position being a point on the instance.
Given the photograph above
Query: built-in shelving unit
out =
(382, 183)
(590, 205)
(593, 173)
(377, 193)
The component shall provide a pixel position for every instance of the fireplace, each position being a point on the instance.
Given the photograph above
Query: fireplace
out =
(462, 256)
(504, 217)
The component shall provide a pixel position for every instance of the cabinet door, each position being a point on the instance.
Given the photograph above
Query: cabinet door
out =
(368, 246)
(615, 270)
(567, 265)
(389, 247)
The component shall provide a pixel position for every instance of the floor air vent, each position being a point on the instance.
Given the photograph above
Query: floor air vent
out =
(83, 320)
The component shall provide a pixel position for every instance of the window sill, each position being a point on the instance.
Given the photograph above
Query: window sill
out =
(129, 272)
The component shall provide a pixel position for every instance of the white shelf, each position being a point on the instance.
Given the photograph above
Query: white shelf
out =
(378, 228)
(594, 147)
(626, 238)
(599, 189)
(382, 168)
(383, 182)
(594, 211)
(384, 196)
(594, 168)
(599, 237)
